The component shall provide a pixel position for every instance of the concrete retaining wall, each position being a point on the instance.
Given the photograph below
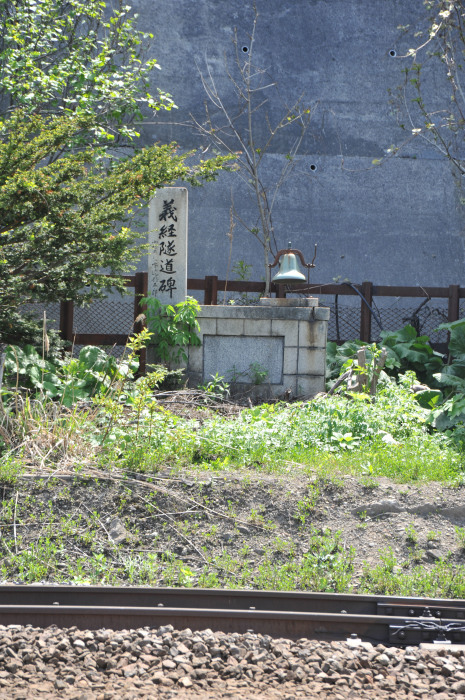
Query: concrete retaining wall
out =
(398, 223)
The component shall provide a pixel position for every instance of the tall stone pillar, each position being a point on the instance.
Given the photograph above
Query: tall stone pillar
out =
(167, 260)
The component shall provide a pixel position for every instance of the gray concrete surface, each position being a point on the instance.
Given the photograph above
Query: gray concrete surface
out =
(233, 358)
(398, 223)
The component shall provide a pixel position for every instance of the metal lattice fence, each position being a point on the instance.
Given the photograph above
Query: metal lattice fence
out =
(102, 317)
(105, 316)
(52, 312)
(344, 321)
(357, 311)
(108, 317)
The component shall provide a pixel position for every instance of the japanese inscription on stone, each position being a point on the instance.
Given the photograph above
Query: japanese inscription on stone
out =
(167, 264)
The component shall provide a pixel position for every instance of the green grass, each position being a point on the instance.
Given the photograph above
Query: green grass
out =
(326, 566)
(10, 469)
(124, 432)
(388, 436)
(443, 580)
(326, 436)
(417, 460)
(323, 439)
(42, 542)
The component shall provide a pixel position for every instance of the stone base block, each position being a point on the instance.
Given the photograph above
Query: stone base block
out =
(263, 351)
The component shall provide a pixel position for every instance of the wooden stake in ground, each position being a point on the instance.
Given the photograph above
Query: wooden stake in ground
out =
(358, 382)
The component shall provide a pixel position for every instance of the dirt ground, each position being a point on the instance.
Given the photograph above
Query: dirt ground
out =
(201, 516)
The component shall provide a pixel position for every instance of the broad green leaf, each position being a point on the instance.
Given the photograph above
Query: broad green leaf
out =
(451, 380)
(457, 341)
(93, 358)
(51, 390)
(428, 398)
(404, 335)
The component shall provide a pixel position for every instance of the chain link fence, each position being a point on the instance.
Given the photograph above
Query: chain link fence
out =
(52, 312)
(344, 321)
(115, 315)
(104, 316)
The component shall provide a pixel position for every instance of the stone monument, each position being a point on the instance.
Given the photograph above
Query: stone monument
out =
(167, 259)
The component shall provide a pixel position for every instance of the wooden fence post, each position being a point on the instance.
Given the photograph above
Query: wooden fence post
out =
(67, 320)
(140, 290)
(141, 283)
(365, 312)
(453, 310)
(211, 290)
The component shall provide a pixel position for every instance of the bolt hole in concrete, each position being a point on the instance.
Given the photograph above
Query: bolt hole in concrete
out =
(245, 49)
(393, 53)
(313, 167)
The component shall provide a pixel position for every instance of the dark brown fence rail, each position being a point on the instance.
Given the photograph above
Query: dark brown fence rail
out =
(213, 288)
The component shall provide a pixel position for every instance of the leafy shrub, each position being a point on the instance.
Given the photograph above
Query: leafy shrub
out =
(331, 423)
(337, 356)
(174, 327)
(67, 381)
(451, 413)
(409, 351)
(406, 351)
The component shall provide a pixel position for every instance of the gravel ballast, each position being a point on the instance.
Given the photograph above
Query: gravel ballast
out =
(165, 663)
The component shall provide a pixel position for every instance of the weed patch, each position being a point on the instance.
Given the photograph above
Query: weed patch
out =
(444, 579)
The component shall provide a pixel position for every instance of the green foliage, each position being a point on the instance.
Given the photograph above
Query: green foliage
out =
(60, 223)
(409, 351)
(78, 404)
(241, 270)
(174, 327)
(258, 373)
(74, 78)
(216, 387)
(27, 329)
(317, 424)
(338, 355)
(411, 535)
(306, 506)
(413, 355)
(327, 566)
(25, 369)
(82, 57)
(10, 468)
(406, 351)
(255, 372)
(460, 534)
(443, 580)
(389, 436)
(68, 381)
(450, 413)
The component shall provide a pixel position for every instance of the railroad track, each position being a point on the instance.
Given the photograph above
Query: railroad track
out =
(324, 616)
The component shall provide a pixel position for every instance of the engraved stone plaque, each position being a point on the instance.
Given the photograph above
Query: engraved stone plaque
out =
(233, 357)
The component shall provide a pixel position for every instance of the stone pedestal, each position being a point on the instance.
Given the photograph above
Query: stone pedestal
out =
(241, 342)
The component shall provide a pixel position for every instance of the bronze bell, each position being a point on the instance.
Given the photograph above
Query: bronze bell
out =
(289, 270)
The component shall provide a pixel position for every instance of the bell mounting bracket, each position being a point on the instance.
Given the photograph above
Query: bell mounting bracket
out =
(287, 251)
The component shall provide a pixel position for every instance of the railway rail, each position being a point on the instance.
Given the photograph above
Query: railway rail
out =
(325, 616)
